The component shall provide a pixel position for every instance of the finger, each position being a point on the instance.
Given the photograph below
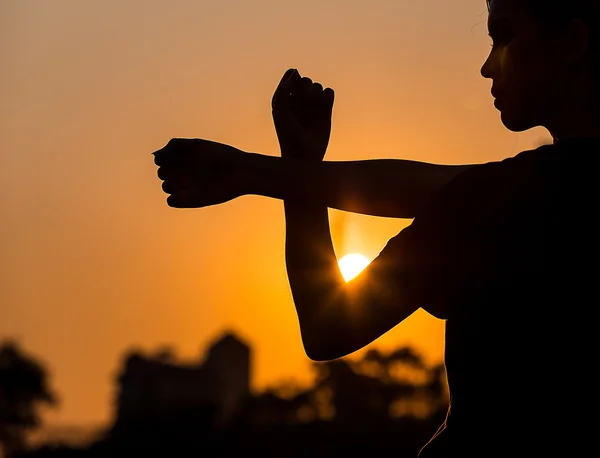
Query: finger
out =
(301, 93)
(166, 172)
(188, 198)
(180, 200)
(294, 78)
(158, 154)
(173, 187)
(170, 153)
(169, 187)
(170, 159)
(328, 99)
(178, 182)
(285, 76)
(317, 96)
(288, 81)
(160, 157)
(305, 86)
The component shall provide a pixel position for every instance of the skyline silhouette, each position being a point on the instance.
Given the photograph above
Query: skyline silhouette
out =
(156, 388)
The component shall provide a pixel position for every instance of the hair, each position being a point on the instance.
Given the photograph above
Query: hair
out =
(556, 12)
(552, 15)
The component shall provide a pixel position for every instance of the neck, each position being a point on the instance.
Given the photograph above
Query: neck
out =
(577, 117)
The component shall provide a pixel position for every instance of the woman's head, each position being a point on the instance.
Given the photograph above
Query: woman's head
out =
(544, 61)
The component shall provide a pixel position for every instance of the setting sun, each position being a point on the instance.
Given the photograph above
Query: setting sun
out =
(352, 264)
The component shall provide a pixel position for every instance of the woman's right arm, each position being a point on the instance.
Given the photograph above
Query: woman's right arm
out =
(198, 173)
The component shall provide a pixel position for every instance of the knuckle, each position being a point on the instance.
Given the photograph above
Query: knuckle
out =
(172, 202)
(175, 143)
(162, 173)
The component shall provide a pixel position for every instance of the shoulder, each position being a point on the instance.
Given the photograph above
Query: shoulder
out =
(484, 188)
(453, 242)
(456, 238)
(473, 209)
(523, 162)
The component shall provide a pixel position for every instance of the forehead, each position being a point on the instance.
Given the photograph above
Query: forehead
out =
(506, 10)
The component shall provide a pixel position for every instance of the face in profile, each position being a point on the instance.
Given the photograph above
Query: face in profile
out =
(525, 76)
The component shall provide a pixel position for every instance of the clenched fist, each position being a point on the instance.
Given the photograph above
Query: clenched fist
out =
(199, 173)
(302, 116)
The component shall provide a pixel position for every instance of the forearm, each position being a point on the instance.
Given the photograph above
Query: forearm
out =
(315, 279)
(381, 187)
(336, 317)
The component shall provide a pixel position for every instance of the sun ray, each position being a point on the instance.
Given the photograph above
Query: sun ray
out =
(352, 264)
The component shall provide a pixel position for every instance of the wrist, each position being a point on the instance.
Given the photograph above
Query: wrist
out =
(286, 178)
(262, 175)
(248, 173)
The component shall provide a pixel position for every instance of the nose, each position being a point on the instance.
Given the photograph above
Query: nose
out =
(486, 68)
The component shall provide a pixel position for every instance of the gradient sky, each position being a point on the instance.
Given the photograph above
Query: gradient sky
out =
(95, 263)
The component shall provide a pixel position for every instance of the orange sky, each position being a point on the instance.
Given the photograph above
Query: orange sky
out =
(93, 260)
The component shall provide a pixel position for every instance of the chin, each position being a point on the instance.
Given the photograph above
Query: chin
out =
(517, 123)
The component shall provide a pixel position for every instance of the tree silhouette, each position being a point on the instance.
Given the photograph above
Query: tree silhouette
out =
(23, 389)
(373, 390)
(391, 401)
(380, 386)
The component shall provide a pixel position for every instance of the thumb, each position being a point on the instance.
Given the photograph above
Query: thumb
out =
(289, 80)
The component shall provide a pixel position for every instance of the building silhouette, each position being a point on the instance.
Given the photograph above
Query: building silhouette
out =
(157, 391)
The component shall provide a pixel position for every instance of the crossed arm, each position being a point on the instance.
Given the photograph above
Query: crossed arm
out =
(391, 188)
(336, 317)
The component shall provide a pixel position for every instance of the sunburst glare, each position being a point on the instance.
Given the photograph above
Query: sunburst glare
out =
(352, 264)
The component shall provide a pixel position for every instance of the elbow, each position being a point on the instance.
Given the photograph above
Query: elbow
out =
(321, 354)
(329, 344)
(329, 328)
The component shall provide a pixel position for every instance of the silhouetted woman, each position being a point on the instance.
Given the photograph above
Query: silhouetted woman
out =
(505, 252)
